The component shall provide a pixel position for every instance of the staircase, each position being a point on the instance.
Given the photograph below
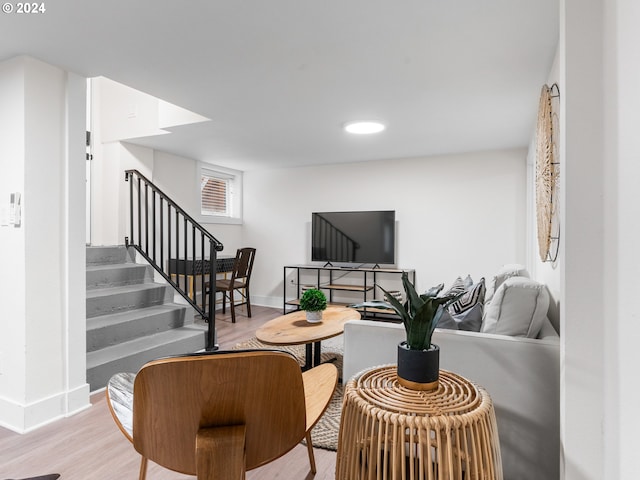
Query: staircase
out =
(130, 319)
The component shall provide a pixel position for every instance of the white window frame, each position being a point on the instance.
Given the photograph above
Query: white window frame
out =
(234, 198)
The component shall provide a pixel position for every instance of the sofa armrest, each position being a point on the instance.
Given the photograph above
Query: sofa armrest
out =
(522, 376)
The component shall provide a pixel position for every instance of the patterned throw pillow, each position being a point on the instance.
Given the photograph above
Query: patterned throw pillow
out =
(471, 297)
(456, 287)
(471, 320)
(466, 312)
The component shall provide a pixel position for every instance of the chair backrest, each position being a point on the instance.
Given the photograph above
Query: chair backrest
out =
(175, 397)
(243, 264)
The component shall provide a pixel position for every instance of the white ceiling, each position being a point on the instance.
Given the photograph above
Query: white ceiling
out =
(279, 78)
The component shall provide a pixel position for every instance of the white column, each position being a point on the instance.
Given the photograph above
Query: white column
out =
(42, 375)
(583, 313)
(622, 262)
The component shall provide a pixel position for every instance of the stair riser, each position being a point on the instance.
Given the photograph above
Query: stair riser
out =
(98, 376)
(120, 302)
(119, 276)
(108, 255)
(144, 325)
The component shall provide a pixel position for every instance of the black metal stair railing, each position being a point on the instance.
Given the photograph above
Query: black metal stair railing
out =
(177, 246)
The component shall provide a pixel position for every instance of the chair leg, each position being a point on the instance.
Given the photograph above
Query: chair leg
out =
(143, 468)
(224, 302)
(312, 458)
(232, 303)
(248, 300)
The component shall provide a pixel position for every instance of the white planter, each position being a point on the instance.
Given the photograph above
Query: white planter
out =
(314, 317)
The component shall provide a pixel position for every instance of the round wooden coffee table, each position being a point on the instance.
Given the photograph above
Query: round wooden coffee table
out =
(293, 329)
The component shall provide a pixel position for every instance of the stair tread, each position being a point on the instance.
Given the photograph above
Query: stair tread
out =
(115, 290)
(128, 315)
(113, 266)
(139, 345)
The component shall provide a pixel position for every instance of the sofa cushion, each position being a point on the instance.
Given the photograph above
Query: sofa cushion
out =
(518, 308)
(506, 271)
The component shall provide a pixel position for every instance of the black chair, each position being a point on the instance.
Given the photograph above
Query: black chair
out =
(238, 281)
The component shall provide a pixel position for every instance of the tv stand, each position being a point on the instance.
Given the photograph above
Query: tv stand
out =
(343, 285)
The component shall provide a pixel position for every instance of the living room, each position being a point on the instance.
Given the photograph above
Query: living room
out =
(590, 261)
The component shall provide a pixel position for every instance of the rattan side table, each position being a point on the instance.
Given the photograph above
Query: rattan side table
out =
(388, 432)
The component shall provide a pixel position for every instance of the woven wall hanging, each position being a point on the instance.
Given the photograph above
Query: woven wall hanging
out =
(547, 172)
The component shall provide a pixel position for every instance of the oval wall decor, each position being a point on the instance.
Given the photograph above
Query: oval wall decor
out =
(547, 172)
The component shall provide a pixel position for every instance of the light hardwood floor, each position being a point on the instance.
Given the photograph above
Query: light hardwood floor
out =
(89, 446)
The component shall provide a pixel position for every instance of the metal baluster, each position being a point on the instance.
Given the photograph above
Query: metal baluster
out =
(169, 240)
(127, 175)
(146, 218)
(203, 269)
(139, 243)
(153, 223)
(211, 339)
(161, 236)
(186, 256)
(178, 247)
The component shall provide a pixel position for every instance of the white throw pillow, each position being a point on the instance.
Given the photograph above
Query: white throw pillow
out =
(507, 271)
(518, 308)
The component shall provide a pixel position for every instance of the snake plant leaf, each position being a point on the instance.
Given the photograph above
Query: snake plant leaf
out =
(413, 299)
(420, 314)
(400, 309)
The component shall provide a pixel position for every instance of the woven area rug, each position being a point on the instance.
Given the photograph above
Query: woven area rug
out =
(325, 433)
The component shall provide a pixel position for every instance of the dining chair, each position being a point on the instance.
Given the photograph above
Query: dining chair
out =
(218, 414)
(237, 282)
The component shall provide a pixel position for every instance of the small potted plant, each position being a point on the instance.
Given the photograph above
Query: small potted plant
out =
(313, 302)
(418, 358)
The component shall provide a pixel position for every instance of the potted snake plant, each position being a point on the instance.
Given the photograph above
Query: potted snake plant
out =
(418, 358)
(313, 302)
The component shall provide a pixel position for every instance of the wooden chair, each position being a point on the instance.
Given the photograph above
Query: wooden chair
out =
(239, 281)
(218, 414)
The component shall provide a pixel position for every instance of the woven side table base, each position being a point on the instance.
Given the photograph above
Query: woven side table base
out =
(388, 432)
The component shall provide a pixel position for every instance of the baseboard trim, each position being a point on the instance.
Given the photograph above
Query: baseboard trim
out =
(27, 417)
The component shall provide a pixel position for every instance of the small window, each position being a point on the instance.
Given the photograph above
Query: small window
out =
(220, 195)
(214, 195)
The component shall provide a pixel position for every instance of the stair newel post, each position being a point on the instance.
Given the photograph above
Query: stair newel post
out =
(211, 332)
(139, 194)
(126, 179)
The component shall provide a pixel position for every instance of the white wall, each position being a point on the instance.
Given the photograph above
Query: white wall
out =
(179, 178)
(621, 166)
(455, 214)
(12, 240)
(42, 340)
(600, 74)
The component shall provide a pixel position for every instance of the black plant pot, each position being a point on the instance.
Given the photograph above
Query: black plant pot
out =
(418, 369)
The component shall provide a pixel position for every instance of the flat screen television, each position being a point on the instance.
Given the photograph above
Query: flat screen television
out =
(353, 237)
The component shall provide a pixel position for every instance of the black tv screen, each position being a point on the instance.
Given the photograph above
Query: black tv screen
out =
(353, 237)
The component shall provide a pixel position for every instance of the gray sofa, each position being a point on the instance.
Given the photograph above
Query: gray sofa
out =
(522, 374)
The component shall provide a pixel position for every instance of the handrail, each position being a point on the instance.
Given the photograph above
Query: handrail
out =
(173, 252)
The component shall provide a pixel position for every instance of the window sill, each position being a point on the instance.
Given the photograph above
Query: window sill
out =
(210, 219)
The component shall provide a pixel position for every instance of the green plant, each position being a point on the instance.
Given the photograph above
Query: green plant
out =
(313, 300)
(420, 314)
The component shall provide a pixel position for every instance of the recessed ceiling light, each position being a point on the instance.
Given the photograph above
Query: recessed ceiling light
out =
(364, 128)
